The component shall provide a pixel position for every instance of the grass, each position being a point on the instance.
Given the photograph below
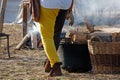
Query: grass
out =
(27, 64)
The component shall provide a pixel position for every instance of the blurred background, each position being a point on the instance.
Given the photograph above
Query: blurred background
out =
(98, 12)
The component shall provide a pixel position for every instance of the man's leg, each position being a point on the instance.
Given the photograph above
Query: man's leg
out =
(47, 23)
(58, 26)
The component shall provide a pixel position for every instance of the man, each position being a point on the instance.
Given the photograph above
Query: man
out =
(52, 17)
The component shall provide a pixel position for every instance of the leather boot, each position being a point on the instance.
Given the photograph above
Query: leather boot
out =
(47, 65)
(56, 70)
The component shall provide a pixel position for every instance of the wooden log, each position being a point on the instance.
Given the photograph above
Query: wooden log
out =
(80, 38)
(77, 37)
(26, 37)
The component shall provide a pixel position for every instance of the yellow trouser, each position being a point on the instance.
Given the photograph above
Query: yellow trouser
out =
(47, 23)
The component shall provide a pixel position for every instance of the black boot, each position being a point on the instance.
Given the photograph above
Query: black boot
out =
(56, 70)
(47, 65)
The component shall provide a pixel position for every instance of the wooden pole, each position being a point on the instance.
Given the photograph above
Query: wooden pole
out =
(2, 13)
(25, 6)
(25, 34)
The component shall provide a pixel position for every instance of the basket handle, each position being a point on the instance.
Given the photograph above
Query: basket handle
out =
(96, 38)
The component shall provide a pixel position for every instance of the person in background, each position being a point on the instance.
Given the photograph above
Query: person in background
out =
(52, 17)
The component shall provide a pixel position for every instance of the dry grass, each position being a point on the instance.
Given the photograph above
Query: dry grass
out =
(26, 64)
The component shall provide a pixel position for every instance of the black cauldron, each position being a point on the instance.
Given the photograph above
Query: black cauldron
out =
(75, 57)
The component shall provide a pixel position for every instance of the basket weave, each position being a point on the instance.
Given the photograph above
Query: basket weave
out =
(105, 56)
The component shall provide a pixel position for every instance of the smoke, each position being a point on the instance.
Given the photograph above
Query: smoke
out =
(98, 12)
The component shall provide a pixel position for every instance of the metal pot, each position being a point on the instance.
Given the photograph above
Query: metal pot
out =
(75, 57)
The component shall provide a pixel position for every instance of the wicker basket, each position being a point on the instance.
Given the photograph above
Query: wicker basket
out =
(105, 56)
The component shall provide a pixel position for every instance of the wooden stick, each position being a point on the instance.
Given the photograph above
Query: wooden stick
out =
(89, 26)
(26, 37)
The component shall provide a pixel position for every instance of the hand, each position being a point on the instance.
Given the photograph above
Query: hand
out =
(71, 18)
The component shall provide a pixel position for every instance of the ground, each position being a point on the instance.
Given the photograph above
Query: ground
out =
(27, 64)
